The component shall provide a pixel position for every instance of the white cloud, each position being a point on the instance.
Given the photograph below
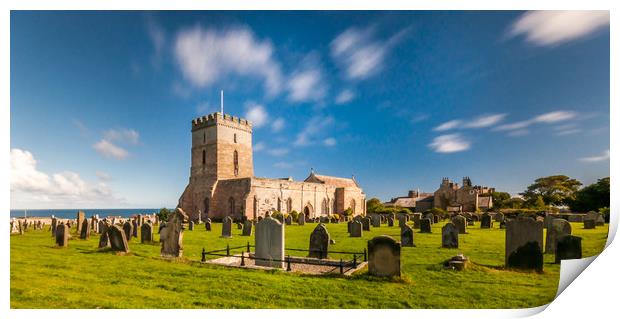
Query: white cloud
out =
(518, 133)
(547, 118)
(158, 38)
(330, 141)
(277, 125)
(545, 28)
(592, 159)
(256, 113)
(480, 121)
(122, 135)
(448, 125)
(283, 165)
(64, 189)
(317, 125)
(359, 53)
(108, 149)
(258, 147)
(345, 96)
(277, 151)
(306, 85)
(449, 143)
(103, 175)
(205, 56)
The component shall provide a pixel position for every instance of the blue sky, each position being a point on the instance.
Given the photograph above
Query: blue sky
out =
(101, 102)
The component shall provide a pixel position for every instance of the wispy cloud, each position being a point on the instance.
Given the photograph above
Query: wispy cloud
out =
(599, 158)
(256, 113)
(277, 151)
(258, 147)
(345, 96)
(481, 121)
(330, 141)
(360, 54)
(449, 143)
(108, 146)
(546, 28)
(103, 176)
(306, 84)
(315, 127)
(157, 35)
(122, 135)
(448, 125)
(546, 118)
(109, 150)
(277, 125)
(283, 165)
(207, 55)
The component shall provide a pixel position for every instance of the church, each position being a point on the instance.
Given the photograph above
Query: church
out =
(222, 181)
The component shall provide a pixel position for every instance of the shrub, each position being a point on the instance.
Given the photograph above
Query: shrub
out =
(276, 214)
(163, 214)
(294, 214)
(348, 212)
(437, 211)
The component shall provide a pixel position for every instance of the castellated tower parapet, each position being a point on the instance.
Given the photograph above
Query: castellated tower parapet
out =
(222, 119)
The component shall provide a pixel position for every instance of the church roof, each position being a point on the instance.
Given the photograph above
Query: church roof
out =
(331, 180)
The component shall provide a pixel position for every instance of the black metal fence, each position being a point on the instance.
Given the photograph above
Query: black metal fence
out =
(342, 265)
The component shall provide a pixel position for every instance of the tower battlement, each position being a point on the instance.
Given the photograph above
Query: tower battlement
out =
(225, 119)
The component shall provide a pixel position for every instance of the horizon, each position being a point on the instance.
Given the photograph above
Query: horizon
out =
(101, 112)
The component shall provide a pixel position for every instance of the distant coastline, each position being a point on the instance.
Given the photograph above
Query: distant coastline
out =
(71, 213)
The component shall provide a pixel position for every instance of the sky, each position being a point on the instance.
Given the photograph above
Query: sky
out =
(102, 102)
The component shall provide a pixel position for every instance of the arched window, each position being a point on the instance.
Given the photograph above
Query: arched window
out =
(231, 202)
(255, 208)
(289, 205)
(353, 206)
(279, 204)
(235, 138)
(204, 157)
(236, 162)
(325, 207)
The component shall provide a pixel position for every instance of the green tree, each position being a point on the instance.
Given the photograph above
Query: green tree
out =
(539, 203)
(163, 214)
(555, 190)
(592, 197)
(373, 205)
(501, 200)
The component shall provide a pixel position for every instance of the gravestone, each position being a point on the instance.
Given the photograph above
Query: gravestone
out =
(190, 225)
(568, 247)
(406, 236)
(589, 223)
(80, 219)
(549, 219)
(62, 235)
(289, 220)
(366, 224)
(301, 219)
(449, 236)
(207, 225)
(171, 237)
(470, 222)
(146, 233)
(425, 225)
(227, 227)
(416, 220)
(100, 226)
(524, 239)
(402, 220)
(486, 221)
(247, 228)
(356, 228)
(429, 216)
(499, 217)
(104, 240)
(128, 228)
(383, 257)
(600, 220)
(460, 223)
(435, 219)
(54, 225)
(118, 238)
(280, 218)
(390, 221)
(319, 242)
(269, 243)
(558, 228)
(375, 220)
(239, 225)
(85, 230)
(161, 226)
(134, 228)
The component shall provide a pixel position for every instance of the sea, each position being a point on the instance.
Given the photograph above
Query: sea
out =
(72, 213)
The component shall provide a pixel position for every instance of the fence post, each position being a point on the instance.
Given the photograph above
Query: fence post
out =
(227, 249)
(242, 259)
(204, 255)
(288, 263)
(354, 261)
(365, 255)
(341, 270)
(248, 247)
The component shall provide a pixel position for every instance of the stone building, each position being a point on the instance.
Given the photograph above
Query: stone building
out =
(415, 201)
(222, 181)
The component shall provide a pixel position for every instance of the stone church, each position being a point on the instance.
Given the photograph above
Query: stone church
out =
(222, 181)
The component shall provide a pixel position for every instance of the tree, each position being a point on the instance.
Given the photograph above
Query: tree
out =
(163, 214)
(539, 203)
(592, 197)
(501, 200)
(372, 205)
(555, 190)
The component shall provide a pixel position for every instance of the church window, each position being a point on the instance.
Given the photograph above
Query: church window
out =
(235, 137)
(204, 157)
(236, 163)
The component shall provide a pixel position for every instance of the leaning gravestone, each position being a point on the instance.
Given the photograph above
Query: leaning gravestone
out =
(118, 238)
(568, 247)
(366, 224)
(80, 219)
(171, 237)
(146, 233)
(301, 219)
(558, 228)
(356, 229)
(319, 242)
(85, 230)
(208, 225)
(247, 228)
(406, 236)
(460, 223)
(486, 221)
(449, 236)
(524, 238)
(269, 243)
(128, 228)
(100, 226)
(62, 235)
(104, 240)
(383, 257)
(227, 227)
(425, 225)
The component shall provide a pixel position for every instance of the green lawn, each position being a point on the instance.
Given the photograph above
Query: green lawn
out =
(43, 276)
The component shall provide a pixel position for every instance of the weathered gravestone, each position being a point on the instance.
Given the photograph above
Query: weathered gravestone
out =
(460, 223)
(269, 243)
(289, 220)
(470, 222)
(524, 238)
(319, 242)
(589, 223)
(134, 228)
(416, 220)
(486, 221)
(568, 247)
(356, 229)
(118, 238)
(85, 230)
(301, 219)
(80, 219)
(62, 235)
(128, 229)
(425, 225)
(54, 225)
(239, 225)
(449, 236)
(383, 257)
(499, 217)
(430, 217)
(146, 233)
(600, 220)
(227, 227)
(406, 236)
(104, 240)
(100, 226)
(208, 226)
(549, 219)
(247, 228)
(190, 225)
(366, 224)
(402, 220)
(161, 226)
(171, 237)
(390, 221)
(435, 219)
(558, 228)
(375, 220)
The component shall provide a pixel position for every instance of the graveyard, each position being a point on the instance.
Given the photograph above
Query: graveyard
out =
(82, 276)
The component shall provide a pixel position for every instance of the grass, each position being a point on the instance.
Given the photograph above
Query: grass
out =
(80, 276)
